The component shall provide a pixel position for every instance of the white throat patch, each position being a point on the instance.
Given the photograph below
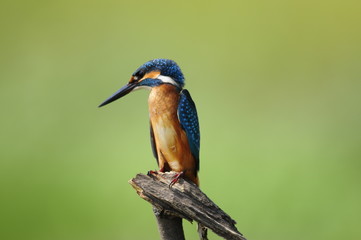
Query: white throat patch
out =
(167, 79)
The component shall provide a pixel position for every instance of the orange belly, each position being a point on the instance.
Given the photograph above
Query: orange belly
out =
(171, 141)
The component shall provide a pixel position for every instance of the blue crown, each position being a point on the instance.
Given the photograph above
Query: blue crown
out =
(166, 67)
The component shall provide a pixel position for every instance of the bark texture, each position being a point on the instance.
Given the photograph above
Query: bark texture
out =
(183, 200)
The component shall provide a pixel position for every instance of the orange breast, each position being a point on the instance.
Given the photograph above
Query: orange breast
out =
(170, 139)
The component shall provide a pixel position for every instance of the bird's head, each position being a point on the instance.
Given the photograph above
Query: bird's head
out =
(151, 74)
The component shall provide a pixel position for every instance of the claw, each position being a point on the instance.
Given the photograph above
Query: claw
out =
(175, 179)
(151, 172)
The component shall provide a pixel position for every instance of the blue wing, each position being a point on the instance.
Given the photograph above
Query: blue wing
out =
(188, 118)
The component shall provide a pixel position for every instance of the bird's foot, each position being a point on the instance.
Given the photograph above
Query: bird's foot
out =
(151, 172)
(175, 179)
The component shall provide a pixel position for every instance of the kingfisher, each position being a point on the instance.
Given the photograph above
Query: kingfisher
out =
(174, 126)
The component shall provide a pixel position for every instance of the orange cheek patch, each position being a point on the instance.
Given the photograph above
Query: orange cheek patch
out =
(153, 74)
(132, 79)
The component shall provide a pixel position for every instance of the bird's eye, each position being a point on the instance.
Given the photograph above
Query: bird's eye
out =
(135, 78)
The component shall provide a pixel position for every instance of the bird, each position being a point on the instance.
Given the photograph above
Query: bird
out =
(174, 125)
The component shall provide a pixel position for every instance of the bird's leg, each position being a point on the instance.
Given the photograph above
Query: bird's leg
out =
(150, 172)
(176, 178)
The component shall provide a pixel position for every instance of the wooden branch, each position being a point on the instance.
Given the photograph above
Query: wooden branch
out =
(169, 227)
(183, 200)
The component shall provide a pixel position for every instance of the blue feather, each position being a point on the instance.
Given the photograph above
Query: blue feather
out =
(188, 118)
(167, 67)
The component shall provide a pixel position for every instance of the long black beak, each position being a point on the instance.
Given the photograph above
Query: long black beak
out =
(120, 93)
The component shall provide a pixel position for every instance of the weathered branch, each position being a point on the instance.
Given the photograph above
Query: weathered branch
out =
(169, 227)
(183, 200)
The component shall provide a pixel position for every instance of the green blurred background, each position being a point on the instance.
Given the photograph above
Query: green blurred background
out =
(277, 87)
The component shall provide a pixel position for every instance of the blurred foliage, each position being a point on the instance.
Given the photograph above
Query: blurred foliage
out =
(277, 87)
